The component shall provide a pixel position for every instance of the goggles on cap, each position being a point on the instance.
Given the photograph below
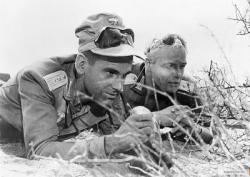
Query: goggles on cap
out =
(112, 37)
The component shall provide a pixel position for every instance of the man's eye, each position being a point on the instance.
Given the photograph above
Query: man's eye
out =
(111, 73)
(182, 66)
(168, 66)
(171, 66)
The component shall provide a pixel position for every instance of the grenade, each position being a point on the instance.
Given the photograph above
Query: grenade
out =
(159, 157)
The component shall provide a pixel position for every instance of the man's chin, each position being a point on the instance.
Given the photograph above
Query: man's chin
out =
(171, 90)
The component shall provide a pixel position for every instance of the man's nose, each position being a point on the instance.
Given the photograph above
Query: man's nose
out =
(178, 72)
(118, 85)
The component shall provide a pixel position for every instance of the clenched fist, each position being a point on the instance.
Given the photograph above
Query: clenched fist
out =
(137, 129)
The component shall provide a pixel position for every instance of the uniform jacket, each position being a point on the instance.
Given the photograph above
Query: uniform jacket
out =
(41, 102)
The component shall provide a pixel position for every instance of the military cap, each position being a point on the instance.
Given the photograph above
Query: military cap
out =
(105, 34)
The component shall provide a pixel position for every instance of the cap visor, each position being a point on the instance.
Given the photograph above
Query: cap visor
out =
(119, 51)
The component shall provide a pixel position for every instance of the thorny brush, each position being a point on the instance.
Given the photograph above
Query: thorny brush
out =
(242, 18)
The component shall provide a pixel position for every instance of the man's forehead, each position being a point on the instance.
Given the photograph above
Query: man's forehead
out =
(123, 66)
(180, 62)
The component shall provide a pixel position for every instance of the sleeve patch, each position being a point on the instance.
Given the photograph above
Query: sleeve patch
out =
(56, 79)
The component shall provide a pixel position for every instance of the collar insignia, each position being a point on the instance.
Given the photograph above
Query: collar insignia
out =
(140, 83)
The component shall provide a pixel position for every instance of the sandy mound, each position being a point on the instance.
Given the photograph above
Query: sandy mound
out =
(188, 163)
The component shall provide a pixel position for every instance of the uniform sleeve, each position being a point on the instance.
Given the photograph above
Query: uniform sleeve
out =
(39, 123)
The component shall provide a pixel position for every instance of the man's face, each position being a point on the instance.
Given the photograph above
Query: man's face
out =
(167, 68)
(104, 78)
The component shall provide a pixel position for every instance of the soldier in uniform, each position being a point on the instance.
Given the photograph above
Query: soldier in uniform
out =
(56, 99)
(159, 85)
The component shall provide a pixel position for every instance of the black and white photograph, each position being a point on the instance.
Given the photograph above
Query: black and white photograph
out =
(133, 88)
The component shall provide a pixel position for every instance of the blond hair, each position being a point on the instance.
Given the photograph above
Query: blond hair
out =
(171, 40)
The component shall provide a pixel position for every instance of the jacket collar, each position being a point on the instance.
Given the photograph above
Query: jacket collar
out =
(138, 86)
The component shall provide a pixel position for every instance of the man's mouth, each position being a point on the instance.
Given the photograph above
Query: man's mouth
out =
(176, 84)
(111, 96)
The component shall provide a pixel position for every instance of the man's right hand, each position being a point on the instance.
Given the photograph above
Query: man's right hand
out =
(135, 130)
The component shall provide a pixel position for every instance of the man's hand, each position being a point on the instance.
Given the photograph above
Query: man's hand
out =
(197, 132)
(170, 116)
(135, 130)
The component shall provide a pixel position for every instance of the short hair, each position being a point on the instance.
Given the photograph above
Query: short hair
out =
(169, 40)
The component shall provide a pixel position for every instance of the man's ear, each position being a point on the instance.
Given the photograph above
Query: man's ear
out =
(81, 63)
(147, 62)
